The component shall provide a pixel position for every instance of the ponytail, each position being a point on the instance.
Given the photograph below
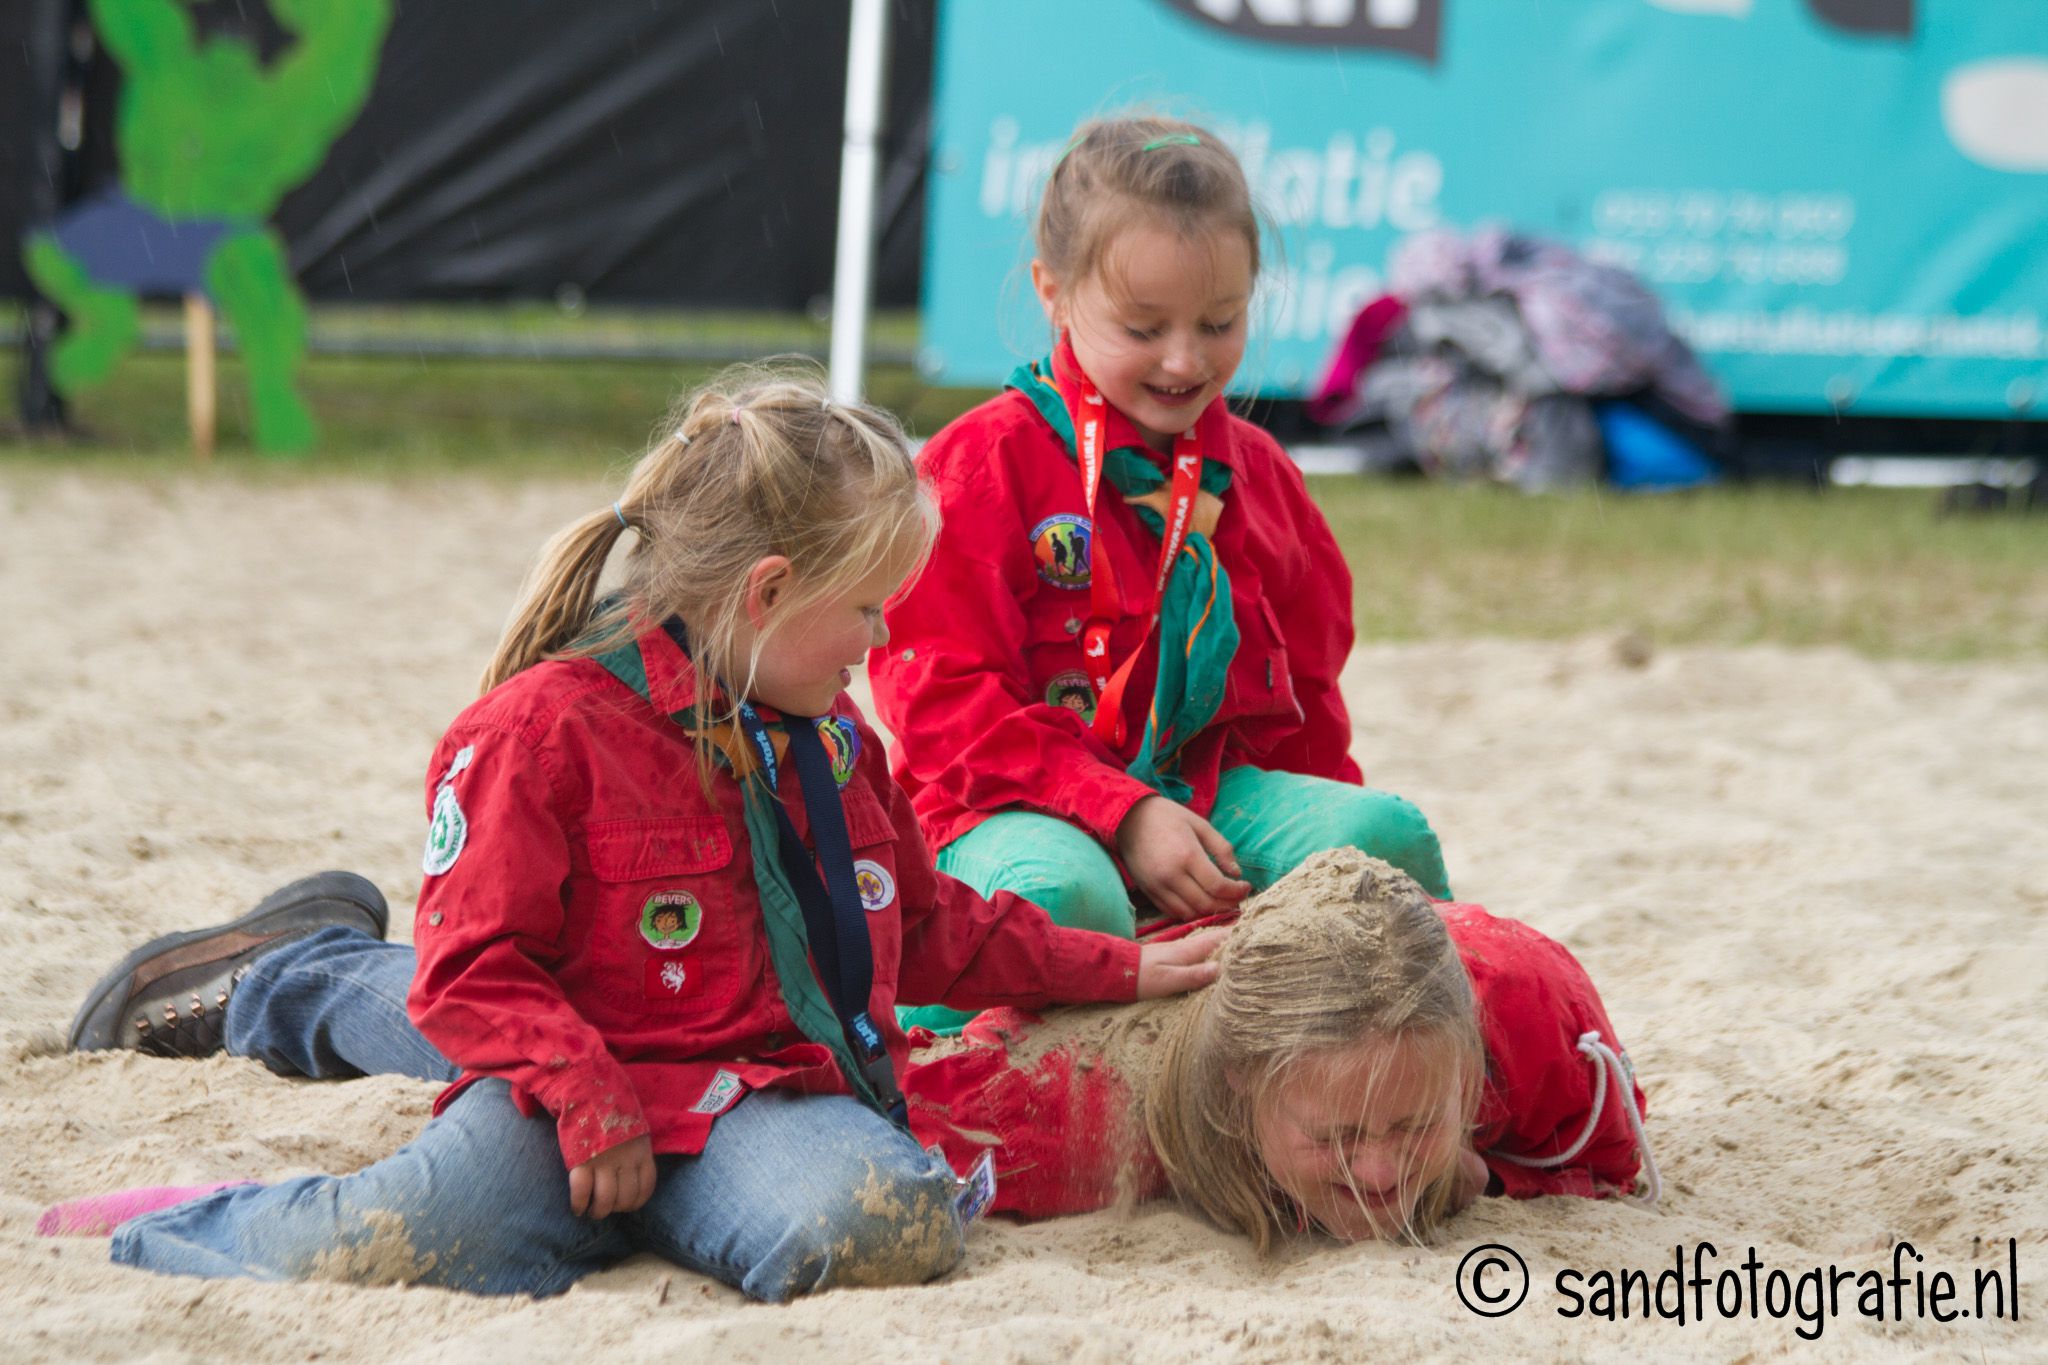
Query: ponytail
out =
(555, 601)
(758, 462)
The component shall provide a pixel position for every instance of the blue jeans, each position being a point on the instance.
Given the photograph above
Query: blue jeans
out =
(792, 1193)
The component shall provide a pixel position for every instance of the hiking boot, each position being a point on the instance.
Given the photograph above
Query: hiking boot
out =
(169, 997)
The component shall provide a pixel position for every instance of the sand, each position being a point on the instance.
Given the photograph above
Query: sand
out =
(1813, 890)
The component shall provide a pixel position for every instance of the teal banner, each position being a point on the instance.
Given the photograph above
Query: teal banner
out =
(1842, 203)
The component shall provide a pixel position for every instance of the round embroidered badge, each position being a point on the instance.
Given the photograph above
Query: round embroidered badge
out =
(670, 919)
(1071, 690)
(841, 739)
(446, 835)
(1060, 544)
(877, 887)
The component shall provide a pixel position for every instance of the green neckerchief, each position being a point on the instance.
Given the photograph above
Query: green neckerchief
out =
(789, 947)
(1198, 634)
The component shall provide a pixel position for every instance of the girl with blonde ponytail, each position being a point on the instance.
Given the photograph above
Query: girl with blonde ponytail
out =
(671, 900)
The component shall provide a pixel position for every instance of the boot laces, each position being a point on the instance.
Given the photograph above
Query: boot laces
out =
(194, 1027)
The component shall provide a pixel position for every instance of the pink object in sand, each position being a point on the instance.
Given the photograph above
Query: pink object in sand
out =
(98, 1215)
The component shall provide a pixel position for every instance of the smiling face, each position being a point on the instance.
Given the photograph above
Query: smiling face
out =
(806, 657)
(1355, 1135)
(1160, 325)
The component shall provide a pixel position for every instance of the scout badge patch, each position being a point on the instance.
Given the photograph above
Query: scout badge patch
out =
(1060, 545)
(670, 919)
(841, 739)
(449, 829)
(1071, 690)
(877, 888)
(665, 977)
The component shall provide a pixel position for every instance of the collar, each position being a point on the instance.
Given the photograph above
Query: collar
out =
(1038, 381)
(673, 681)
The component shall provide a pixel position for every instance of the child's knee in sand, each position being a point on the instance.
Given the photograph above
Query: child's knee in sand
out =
(895, 1227)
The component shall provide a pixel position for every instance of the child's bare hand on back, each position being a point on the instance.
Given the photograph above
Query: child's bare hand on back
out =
(617, 1180)
(1182, 965)
(1179, 860)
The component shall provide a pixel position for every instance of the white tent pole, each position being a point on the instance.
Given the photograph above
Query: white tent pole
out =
(865, 55)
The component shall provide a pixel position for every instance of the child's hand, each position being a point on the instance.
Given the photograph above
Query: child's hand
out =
(617, 1180)
(1182, 965)
(1179, 860)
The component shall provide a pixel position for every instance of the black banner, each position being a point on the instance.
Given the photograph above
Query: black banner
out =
(1411, 26)
(679, 152)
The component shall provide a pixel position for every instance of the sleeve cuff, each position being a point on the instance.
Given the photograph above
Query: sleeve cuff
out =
(1092, 968)
(1121, 793)
(595, 1109)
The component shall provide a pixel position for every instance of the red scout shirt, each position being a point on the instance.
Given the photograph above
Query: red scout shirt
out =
(983, 684)
(596, 936)
(1068, 1140)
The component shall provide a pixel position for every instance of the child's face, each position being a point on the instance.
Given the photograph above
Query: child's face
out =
(1355, 1135)
(1160, 326)
(806, 661)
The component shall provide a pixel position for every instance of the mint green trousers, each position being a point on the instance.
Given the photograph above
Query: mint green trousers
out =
(1274, 821)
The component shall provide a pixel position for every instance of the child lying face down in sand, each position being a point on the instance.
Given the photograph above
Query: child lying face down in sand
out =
(1367, 1062)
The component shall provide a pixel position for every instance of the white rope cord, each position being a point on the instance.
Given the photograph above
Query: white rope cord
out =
(1605, 1062)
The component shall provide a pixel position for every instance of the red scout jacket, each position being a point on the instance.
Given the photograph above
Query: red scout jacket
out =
(1069, 1142)
(982, 682)
(596, 937)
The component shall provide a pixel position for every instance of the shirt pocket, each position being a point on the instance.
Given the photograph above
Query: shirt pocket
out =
(873, 840)
(1260, 682)
(674, 931)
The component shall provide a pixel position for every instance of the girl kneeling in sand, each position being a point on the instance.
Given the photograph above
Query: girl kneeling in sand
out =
(1367, 1062)
(622, 911)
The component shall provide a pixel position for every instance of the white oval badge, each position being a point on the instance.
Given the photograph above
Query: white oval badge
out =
(877, 887)
(446, 835)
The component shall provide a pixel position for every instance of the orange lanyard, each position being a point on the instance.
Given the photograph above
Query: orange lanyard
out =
(1087, 410)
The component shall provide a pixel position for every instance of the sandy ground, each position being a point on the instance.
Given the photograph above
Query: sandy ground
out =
(1812, 888)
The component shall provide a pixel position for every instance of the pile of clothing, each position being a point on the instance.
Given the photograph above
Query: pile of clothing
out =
(1501, 356)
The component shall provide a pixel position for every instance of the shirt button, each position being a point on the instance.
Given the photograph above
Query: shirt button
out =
(435, 919)
(908, 655)
(1073, 625)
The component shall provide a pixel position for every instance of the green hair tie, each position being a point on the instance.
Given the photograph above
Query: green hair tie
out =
(1172, 140)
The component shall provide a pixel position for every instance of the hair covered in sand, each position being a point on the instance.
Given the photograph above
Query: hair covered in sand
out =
(1357, 954)
(760, 461)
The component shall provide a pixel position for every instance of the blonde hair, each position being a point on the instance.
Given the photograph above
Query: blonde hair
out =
(1373, 965)
(1118, 170)
(760, 461)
